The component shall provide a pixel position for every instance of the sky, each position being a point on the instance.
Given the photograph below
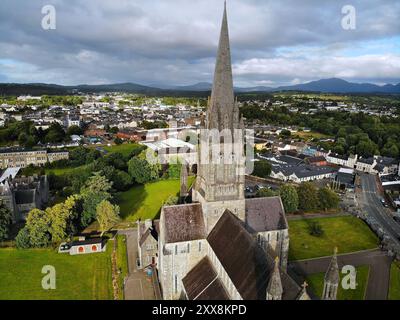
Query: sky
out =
(174, 42)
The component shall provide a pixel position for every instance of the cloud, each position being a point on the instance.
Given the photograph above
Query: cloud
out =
(174, 41)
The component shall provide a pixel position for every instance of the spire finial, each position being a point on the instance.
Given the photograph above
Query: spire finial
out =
(276, 261)
(304, 285)
(335, 251)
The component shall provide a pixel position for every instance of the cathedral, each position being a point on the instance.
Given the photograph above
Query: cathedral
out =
(222, 246)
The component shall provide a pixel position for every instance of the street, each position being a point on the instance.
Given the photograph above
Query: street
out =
(370, 202)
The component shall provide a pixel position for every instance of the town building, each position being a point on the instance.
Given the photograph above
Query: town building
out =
(20, 158)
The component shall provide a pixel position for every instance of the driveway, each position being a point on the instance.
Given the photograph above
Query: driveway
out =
(138, 285)
(377, 260)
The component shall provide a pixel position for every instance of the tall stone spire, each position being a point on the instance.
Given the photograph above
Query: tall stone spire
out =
(221, 108)
(220, 181)
(275, 289)
(331, 280)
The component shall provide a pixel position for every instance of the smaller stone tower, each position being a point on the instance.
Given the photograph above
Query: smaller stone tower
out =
(275, 289)
(331, 280)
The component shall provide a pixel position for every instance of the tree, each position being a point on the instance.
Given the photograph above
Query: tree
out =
(63, 218)
(5, 221)
(262, 169)
(74, 130)
(95, 190)
(141, 170)
(315, 229)
(308, 196)
(38, 226)
(107, 215)
(55, 133)
(290, 198)
(118, 141)
(285, 133)
(22, 240)
(328, 199)
(265, 192)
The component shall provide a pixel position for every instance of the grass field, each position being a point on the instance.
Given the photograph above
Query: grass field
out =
(347, 233)
(311, 135)
(394, 289)
(84, 277)
(122, 261)
(124, 149)
(62, 171)
(316, 285)
(145, 202)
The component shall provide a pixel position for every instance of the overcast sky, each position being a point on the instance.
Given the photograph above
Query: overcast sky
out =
(174, 42)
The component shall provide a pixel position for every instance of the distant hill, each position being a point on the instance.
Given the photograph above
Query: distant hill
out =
(333, 85)
(336, 85)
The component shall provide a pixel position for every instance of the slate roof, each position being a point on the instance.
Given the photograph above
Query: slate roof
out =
(265, 214)
(202, 283)
(303, 171)
(24, 196)
(246, 264)
(184, 223)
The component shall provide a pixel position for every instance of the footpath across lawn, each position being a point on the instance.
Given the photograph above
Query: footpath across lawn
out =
(145, 201)
(347, 233)
(83, 277)
(316, 285)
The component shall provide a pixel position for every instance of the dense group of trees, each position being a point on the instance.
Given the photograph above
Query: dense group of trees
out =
(25, 133)
(61, 221)
(305, 197)
(358, 133)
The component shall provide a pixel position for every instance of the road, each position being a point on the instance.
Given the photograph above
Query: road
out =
(370, 201)
(377, 260)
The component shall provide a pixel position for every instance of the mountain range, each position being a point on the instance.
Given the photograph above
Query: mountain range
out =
(332, 85)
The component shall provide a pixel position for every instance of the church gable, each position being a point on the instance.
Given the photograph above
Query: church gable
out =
(183, 223)
(265, 214)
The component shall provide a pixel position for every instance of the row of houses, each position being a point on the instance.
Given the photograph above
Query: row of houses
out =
(290, 166)
(13, 158)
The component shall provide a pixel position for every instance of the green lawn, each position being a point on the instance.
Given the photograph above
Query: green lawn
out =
(62, 171)
(125, 149)
(83, 277)
(316, 285)
(347, 233)
(394, 289)
(145, 201)
(122, 261)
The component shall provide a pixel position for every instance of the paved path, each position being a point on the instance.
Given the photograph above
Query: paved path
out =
(138, 285)
(377, 260)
